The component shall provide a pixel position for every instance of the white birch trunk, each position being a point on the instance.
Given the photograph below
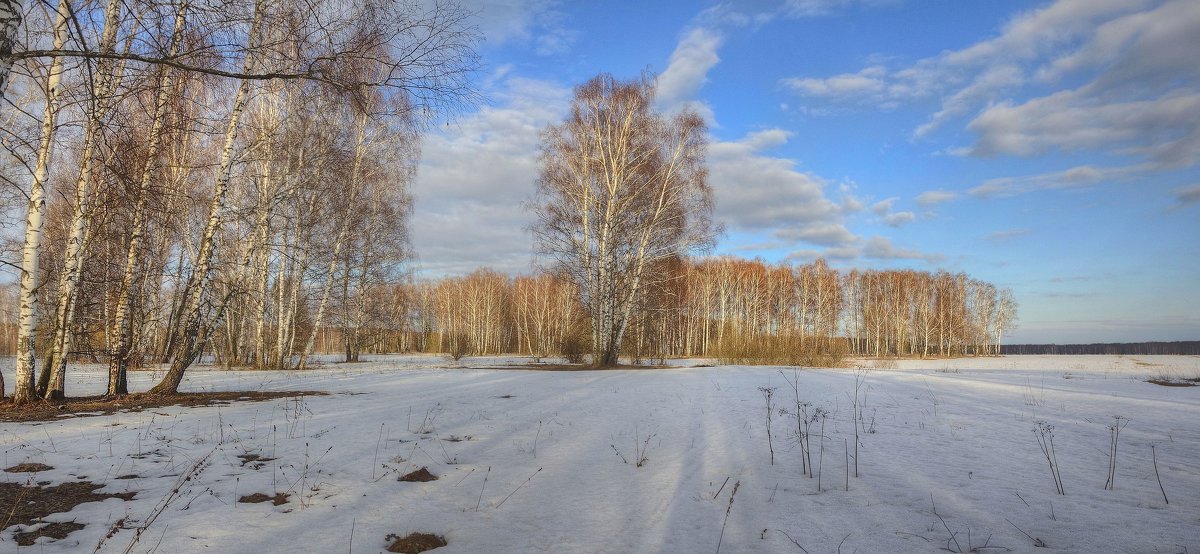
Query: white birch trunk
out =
(103, 89)
(23, 389)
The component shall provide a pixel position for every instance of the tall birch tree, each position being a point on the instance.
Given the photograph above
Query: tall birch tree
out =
(24, 389)
(621, 188)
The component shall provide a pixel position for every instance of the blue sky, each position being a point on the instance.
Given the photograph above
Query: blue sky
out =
(1050, 146)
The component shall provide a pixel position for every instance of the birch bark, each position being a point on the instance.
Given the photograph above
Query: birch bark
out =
(23, 388)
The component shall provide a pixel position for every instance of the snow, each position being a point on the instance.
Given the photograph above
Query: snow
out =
(550, 446)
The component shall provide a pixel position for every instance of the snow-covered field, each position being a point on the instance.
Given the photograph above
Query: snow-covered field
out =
(533, 461)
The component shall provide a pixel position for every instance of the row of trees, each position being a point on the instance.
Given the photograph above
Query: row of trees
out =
(740, 310)
(202, 175)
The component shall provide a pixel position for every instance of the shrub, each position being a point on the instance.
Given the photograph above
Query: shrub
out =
(573, 349)
(460, 346)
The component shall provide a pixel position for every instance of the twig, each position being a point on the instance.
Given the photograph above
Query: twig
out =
(539, 470)
(957, 547)
(1154, 457)
(465, 477)
(1036, 542)
(846, 443)
(715, 494)
(727, 510)
(375, 460)
(159, 508)
(789, 537)
(768, 393)
(481, 489)
(844, 540)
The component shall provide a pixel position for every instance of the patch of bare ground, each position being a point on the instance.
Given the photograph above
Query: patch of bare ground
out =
(56, 531)
(414, 543)
(100, 405)
(28, 467)
(255, 461)
(30, 504)
(419, 476)
(258, 498)
(1175, 382)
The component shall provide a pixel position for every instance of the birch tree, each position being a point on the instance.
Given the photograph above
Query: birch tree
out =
(122, 329)
(24, 389)
(620, 188)
(189, 331)
(102, 101)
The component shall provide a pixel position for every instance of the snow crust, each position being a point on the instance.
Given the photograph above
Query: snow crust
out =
(957, 434)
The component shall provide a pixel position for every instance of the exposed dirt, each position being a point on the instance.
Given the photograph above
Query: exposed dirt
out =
(255, 461)
(29, 504)
(99, 405)
(28, 467)
(419, 476)
(258, 497)
(55, 531)
(1173, 383)
(414, 543)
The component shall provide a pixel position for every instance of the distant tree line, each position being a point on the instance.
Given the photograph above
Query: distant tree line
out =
(1175, 348)
(743, 311)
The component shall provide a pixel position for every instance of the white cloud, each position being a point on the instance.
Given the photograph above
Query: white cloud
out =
(899, 218)
(831, 234)
(755, 192)
(882, 207)
(1075, 177)
(474, 176)
(814, 8)
(536, 22)
(688, 70)
(1134, 58)
(869, 81)
(1164, 130)
(985, 86)
(935, 197)
(881, 248)
(1006, 235)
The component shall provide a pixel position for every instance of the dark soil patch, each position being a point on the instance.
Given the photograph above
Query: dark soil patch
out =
(419, 476)
(455, 438)
(258, 497)
(414, 543)
(29, 504)
(55, 531)
(255, 461)
(28, 467)
(1180, 383)
(130, 476)
(100, 405)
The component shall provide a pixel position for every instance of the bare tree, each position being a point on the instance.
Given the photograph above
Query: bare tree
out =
(23, 389)
(621, 187)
